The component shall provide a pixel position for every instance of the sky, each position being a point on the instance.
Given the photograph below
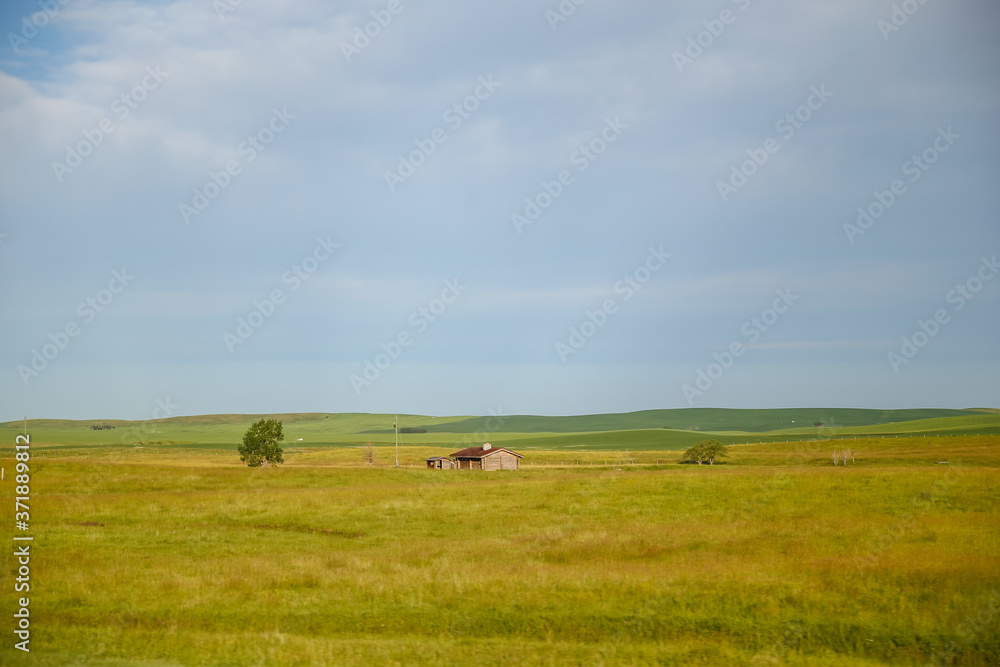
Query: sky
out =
(513, 207)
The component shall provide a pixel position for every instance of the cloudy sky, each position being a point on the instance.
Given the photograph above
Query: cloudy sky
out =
(519, 206)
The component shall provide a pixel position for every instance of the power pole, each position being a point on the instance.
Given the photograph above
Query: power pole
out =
(395, 425)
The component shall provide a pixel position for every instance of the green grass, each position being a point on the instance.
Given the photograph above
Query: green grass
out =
(937, 425)
(169, 555)
(328, 428)
(650, 429)
(704, 419)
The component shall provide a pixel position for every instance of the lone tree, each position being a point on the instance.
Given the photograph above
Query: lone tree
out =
(706, 450)
(260, 444)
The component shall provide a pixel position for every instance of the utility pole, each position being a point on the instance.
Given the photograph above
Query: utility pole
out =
(395, 425)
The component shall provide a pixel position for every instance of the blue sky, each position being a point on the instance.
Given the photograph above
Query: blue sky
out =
(627, 206)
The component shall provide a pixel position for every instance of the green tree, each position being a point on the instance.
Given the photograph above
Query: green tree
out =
(260, 444)
(706, 450)
(695, 454)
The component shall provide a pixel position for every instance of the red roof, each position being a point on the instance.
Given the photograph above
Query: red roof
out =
(480, 453)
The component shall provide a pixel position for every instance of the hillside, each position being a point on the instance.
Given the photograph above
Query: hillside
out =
(699, 419)
(648, 429)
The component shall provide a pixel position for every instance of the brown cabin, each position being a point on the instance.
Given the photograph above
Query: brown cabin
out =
(441, 463)
(487, 457)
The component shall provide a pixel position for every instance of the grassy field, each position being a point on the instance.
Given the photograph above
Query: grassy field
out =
(178, 555)
(645, 430)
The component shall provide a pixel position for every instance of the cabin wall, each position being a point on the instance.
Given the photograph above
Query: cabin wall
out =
(496, 461)
(492, 462)
(500, 461)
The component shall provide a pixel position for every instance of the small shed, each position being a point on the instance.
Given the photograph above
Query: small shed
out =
(440, 463)
(487, 457)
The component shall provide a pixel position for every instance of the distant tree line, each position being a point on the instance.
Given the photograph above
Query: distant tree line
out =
(412, 429)
(101, 427)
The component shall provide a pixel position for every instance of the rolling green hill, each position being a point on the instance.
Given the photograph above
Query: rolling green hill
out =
(979, 423)
(648, 429)
(703, 419)
(634, 439)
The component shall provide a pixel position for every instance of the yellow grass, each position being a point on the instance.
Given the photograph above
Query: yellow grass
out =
(778, 557)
